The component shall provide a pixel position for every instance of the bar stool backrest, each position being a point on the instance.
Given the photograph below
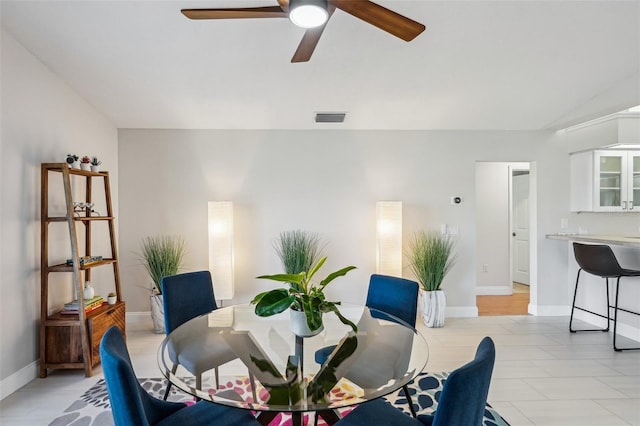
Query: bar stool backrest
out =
(597, 259)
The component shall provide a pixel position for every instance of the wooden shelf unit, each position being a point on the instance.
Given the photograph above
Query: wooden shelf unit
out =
(72, 340)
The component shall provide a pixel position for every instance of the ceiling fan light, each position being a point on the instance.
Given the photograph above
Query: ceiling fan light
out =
(308, 13)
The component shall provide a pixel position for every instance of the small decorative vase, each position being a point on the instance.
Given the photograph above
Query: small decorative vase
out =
(75, 165)
(89, 292)
(85, 166)
(95, 169)
(157, 313)
(112, 300)
(298, 324)
(433, 306)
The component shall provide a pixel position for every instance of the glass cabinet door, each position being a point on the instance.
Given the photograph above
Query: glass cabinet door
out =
(610, 167)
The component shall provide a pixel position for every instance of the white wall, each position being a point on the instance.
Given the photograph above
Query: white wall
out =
(492, 221)
(42, 121)
(328, 182)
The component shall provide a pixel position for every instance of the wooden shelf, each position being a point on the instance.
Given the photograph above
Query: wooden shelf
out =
(78, 218)
(63, 267)
(59, 318)
(73, 340)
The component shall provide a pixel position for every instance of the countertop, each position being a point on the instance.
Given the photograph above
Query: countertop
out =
(602, 239)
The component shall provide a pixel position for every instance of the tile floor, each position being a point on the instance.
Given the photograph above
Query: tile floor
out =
(543, 374)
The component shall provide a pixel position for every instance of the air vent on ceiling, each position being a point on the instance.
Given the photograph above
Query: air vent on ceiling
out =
(330, 117)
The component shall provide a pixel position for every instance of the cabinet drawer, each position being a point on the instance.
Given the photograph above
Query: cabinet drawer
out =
(99, 324)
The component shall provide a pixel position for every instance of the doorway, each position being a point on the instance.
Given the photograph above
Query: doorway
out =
(519, 219)
(504, 221)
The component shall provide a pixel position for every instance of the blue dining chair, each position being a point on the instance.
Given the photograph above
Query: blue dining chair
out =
(462, 400)
(186, 296)
(132, 405)
(395, 296)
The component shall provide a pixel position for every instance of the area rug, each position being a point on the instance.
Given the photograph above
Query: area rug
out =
(93, 409)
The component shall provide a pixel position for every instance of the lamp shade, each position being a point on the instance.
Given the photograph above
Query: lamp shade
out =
(389, 238)
(221, 248)
(308, 13)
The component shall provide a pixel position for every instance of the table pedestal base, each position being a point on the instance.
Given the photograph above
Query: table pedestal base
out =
(331, 417)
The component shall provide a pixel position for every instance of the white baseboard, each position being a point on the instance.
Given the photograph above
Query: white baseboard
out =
(549, 310)
(625, 330)
(136, 318)
(494, 290)
(19, 379)
(461, 311)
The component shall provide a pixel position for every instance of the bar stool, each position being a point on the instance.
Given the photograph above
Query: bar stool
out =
(599, 260)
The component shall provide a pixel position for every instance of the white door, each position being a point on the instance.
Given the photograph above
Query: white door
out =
(520, 227)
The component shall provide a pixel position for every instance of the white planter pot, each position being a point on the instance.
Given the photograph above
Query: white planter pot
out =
(298, 324)
(85, 166)
(95, 169)
(433, 305)
(157, 313)
(112, 300)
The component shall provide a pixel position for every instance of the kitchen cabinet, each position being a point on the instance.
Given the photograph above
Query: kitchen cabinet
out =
(605, 181)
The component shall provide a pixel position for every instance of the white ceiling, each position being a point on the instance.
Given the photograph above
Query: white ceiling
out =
(479, 65)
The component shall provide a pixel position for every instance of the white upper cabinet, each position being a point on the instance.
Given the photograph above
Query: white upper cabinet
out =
(605, 181)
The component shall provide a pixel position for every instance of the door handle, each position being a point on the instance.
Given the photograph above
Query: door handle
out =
(513, 234)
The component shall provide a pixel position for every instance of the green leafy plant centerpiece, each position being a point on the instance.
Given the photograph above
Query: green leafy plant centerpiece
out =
(162, 256)
(302, 295)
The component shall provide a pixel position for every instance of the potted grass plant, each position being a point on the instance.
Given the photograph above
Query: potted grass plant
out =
(431, 257)
(161, 256)
(298, 250)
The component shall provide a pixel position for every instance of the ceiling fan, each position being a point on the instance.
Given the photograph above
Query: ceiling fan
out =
(372, 13)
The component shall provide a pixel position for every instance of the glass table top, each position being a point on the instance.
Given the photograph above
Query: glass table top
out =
(382, 356)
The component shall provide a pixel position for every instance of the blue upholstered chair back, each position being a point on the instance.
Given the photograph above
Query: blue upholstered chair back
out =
(130, 404)
(185, 296)
(464, 394)
(396, 296)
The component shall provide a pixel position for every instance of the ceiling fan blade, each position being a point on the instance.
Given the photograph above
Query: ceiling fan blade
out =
(235, 13)
(310, 40)
(307, 45)
(381, 17)
(284, 5)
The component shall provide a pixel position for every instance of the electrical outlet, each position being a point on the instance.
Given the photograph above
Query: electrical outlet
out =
(485, 268)
(564, 223)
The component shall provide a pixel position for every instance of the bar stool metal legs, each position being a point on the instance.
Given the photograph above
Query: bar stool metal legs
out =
(574, 307)
(615, 321)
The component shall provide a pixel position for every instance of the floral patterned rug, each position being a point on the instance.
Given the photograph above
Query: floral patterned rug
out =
(93, 408)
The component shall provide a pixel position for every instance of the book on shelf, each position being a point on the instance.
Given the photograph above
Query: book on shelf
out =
(87, 303)
(72, 311)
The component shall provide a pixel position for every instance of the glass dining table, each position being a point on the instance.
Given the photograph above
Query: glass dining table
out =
(274, 371)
